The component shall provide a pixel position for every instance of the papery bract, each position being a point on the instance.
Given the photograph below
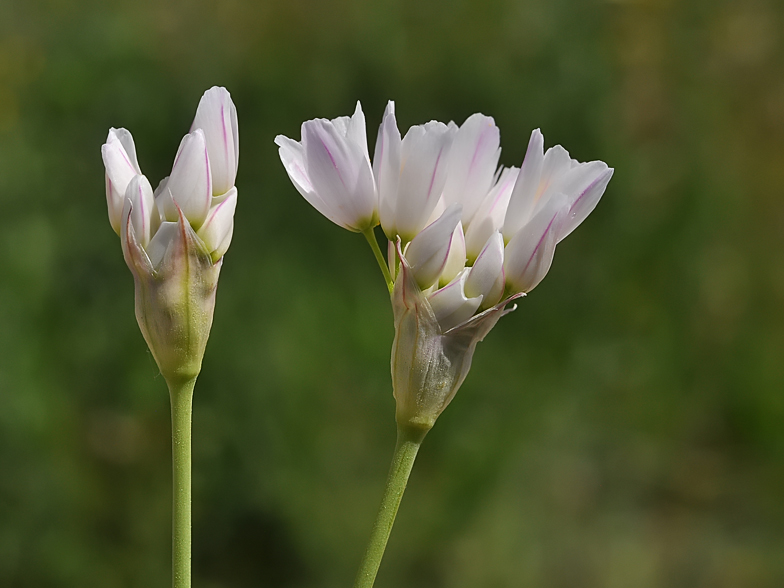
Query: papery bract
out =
(429, 363)
(175, 296)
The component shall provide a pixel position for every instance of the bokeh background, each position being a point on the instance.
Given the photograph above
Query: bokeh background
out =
(625, 427)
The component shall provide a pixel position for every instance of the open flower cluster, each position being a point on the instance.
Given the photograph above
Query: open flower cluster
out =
(174, 238)
(465, 236)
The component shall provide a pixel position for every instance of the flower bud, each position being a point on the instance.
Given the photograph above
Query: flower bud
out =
(486, 277)
(429, 251)
(216, 116)
(119, 159)
(190, 182)
(175, 268)
(144, 214)
(450, 304)
(456, 259)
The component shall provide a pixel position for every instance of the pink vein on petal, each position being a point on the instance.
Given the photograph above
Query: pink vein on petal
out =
(587, 189)
(539, 244)
(225, 137)
(332, 159)
(476, 151)
(435, 170)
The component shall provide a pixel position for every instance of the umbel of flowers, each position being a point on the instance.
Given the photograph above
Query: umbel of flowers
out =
(464, 239)
(173, 241)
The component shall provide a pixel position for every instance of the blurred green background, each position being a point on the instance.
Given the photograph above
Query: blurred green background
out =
(625, 427)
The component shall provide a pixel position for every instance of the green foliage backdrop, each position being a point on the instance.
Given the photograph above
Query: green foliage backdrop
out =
(625, 427)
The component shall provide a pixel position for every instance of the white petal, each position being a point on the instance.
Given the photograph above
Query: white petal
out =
(143, 211)
(486, 277)
(386, 169)
(340, 173)
(217, 117)
(586, 195)
(472, 163)
(189, 184)
(424, 165)
(119, 159)
(456, 258)
(450, 304)
(428, 252)
(356, 131)
(529, 254)
(523, 198)
(220, 221)
(126, 140)
(293, 157)
(490, 216)
(159, 244)
(223, 246)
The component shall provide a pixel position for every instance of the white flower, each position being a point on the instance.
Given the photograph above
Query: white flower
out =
(410, 173)
(552, 195)
(465, 238)
(473, 159)
(174, 239)
(330, 167)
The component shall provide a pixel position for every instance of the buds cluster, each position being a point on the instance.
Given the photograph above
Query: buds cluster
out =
(471, 236)
(174, 238)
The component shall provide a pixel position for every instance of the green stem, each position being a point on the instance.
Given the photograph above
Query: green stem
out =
(181, 396)
(371, 239)
(408, 443)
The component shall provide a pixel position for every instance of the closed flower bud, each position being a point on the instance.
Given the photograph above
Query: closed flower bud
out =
(486, 276)
(190, 182)
(456, 259)
(119, 159)
(451, 305)
(429, 251)
(216, 116)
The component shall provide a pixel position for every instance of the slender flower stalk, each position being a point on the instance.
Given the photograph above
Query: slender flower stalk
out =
(465, 240)
(181, 397)
(408, 442)
(173, 241)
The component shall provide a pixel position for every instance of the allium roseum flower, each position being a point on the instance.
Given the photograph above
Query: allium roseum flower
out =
(330, 167)
(173, 239)
(465, 237)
